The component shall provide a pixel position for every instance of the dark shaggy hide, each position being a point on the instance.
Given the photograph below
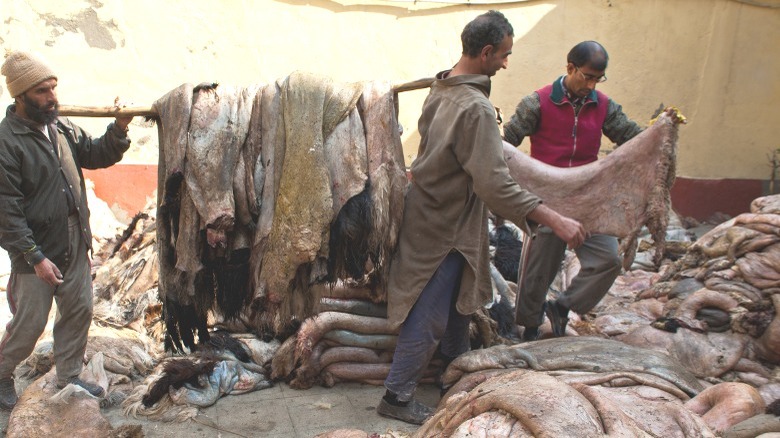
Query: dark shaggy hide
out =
(182, 321)
(672, 324)
(349, 238)
(774, 408)
(228, 277)
(508, 250)
(755, 323)
(181, 324)
(221, 341)
(128, 232)
(503, 313)
(176, 373)
(170, 209)
(186, 370)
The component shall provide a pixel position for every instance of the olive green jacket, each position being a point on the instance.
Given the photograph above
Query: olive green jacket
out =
(458, 174)
(34, 178)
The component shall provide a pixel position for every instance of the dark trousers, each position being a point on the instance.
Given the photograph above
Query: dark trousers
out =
(433, 319)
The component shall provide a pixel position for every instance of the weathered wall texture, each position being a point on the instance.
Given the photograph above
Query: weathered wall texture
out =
(717, 60)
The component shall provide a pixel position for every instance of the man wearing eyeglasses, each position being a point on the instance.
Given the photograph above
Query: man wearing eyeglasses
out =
(565, 121)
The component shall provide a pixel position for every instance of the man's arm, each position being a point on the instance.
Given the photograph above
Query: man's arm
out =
(16, 237)
(617, 126)
(568, 229)
(100, 152)
(524, 121)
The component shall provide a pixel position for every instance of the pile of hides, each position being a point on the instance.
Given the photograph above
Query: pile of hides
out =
(127, 355)
(267, 190)
(126, 271)
(180, 385)
(594, 386)
(702, 338)
(352, 342)
(714, 309)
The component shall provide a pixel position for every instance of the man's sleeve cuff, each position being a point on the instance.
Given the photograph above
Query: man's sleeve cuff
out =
(34, 257)
(119, 132)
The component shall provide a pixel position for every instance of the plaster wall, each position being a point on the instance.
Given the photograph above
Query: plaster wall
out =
(717, 60)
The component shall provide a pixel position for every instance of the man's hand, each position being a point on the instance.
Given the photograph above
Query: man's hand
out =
(47, 271)
(122, 121)
(568, 229)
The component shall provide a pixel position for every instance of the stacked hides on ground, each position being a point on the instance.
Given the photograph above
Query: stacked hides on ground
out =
(268, 190)
(715, 308)
(593, 386)
(350, 339)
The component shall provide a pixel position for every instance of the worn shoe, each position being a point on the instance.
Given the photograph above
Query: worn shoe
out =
(8, 396)
(95, 390)
(558, 316)
(530, 334)
(414, 412)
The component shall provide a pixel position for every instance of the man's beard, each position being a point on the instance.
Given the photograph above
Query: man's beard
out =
(38, 114)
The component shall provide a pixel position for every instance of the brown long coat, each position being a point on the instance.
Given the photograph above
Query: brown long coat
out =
(459, 172)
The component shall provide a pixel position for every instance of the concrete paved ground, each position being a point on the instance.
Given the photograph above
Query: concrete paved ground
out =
(283, 412)
(279, 412)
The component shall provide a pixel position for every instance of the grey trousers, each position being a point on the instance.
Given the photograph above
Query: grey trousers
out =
(433, 318)
(30, 300)
(540, 262)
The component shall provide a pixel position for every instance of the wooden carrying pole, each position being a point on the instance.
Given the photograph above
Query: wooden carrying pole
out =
(111, 111)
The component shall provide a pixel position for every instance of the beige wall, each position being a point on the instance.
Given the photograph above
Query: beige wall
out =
(718, 60)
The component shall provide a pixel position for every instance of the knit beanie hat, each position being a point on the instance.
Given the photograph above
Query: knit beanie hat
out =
(23, 71)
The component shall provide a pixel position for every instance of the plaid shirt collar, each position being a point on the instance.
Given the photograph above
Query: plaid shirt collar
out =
(575, 100)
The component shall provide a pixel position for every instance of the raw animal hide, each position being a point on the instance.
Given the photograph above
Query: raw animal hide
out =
(540, 405)
(218, 129)
(574, 353)
(267, 175)
(387, 173)
(312, 107)
(615, 195)
(174, 109)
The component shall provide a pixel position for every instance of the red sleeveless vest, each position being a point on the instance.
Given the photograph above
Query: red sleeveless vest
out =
(563, 140)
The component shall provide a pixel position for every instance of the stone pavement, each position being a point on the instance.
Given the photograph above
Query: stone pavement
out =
(283, 412)
(278, 412)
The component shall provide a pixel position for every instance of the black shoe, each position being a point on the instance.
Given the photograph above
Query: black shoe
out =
(530, 334)
(414, 412)
(93, 389)
(558, 316)
(8, 396)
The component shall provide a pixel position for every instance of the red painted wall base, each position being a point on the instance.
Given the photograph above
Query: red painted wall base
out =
(701, 198)
(125, 185)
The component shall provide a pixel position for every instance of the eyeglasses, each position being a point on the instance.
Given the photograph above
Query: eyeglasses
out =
(591, 78)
